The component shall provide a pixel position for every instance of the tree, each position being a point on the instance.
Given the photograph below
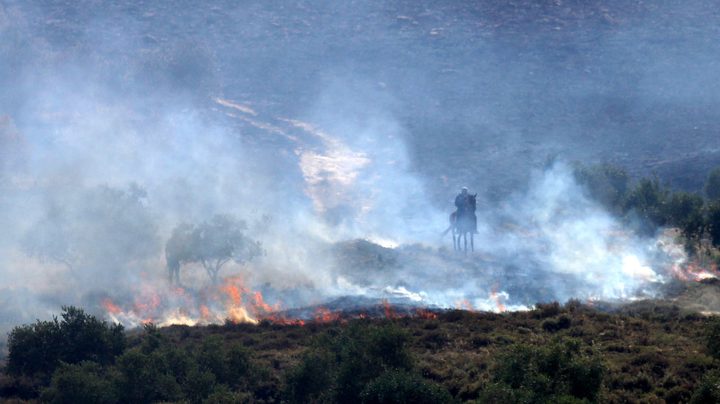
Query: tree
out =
(605, 183)
(713, 222)
(94, 228)
(712, 185)
(212, 244)
(685, 211)
(647, 200)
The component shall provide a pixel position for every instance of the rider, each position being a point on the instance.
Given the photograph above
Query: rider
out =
(462, 203)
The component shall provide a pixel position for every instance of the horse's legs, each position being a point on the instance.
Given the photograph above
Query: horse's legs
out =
(472, 242)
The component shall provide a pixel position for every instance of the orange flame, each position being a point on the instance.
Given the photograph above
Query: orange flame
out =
(495, 296)
(110, 306)
(323, 315)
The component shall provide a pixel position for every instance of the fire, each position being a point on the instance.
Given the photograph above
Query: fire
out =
(323, 315)
(464, 304)
(496, 297)
(426, 314)
(111, 307)
(389, 311)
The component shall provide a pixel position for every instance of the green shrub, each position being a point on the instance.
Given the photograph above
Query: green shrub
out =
(77, 337)
(313, 379)
(548, 373)
(400, 386)
(708, 391)
(339, 367)
(85, 382)
(146, 378)
(712, 337)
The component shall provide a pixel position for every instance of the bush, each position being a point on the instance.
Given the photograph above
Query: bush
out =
(340, 367)
(560, 372)
(647, 200)
(708, 391)
(77, 337)
(713, 222)
(399, 386)
(85, 382)
(712, 337)
(605, 183)
(148, 377)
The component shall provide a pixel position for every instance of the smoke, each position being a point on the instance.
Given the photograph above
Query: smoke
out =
(320, 125)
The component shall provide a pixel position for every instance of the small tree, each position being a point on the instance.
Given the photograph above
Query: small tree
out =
(647, 200)
(713, 222)
(605, 183)
(712, 185)
(212, 244)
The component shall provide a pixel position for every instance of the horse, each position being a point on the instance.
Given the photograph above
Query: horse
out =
(463, 223)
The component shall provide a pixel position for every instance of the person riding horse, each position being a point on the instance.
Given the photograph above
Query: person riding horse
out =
(465, 209)
(463, 221)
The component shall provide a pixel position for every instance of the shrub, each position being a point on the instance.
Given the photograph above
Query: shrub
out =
(712, 337)
(312, 380)
(146, 378)
(713, 222)
(605, 183)
(399, 386)
(560, 370)
(77, 337)
(85, 382)
(339, 367)
(708, 391)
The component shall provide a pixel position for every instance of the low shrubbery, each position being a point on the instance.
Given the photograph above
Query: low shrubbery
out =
(556, 353)
(360, 364)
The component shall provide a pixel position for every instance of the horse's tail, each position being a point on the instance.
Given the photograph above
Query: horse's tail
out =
(453, 220)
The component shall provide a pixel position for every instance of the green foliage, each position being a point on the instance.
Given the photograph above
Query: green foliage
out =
(708, 391)
(559, 372)
(38, 348)
(340, 367)
(312, 380)
(713, 223)
(647, 200)
(212, 243)
(712, 185)
(400, 386)
(605, 183)
(712, 337)
(85, 382)
(229, 364)
(146, 377)
(685, 211)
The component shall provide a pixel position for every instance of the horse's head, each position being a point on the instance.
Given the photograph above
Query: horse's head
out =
(472, 201)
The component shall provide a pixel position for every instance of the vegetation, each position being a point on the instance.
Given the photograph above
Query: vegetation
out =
(648, 352)
(212, 243)
(648, 204)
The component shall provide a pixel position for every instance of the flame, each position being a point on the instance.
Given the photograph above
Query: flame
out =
(323, 315)
(464, 304)
(111, 307)
(498, 298)
(426, 314)
(389, 311)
